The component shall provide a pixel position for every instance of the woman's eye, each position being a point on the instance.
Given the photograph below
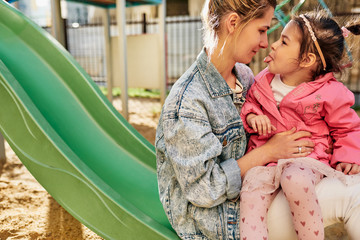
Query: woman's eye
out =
(283, 42)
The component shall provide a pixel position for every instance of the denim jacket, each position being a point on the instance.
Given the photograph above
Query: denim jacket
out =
(199, 137)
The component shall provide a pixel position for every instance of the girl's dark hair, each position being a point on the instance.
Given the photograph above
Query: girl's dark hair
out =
(330, 38)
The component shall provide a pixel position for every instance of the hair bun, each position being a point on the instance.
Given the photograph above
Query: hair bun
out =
(354, 26)
(355, 29)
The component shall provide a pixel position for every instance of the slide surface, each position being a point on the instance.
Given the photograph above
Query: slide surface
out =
(70, 137)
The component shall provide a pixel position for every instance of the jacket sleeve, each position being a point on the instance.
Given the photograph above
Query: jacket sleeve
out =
(344, 125)
(194, 152)
(251, 105)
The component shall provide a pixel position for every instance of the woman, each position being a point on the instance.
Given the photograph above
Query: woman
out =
(200, 140)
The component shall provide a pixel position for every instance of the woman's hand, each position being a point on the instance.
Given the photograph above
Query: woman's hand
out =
(348, 168)
(289, 145)
(280, 146)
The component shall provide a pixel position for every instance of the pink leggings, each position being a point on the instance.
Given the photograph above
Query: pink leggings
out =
(298, 184)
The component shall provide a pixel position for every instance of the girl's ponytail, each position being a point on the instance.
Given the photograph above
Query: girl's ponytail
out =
(354, 27)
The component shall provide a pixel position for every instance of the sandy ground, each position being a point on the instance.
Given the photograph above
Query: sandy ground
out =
(27, 211)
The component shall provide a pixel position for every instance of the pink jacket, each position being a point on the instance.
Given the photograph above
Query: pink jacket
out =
(321, 107)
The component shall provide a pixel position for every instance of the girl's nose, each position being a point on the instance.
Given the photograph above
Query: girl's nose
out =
(274, 45)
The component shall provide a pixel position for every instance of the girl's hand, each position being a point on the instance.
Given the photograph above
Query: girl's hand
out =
(348, 168)
(287, 145)
(260, 123)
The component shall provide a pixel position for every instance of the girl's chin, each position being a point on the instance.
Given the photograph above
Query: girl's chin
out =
(271, 69)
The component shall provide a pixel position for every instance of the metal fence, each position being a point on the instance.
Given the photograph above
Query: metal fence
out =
(86, 45)
(184, 42)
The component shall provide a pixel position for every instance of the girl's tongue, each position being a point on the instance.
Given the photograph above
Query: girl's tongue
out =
(267, 59)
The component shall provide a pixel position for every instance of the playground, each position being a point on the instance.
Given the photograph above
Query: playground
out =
(29, 212)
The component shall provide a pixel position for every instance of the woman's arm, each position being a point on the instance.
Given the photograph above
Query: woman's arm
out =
(280, 146)
(194, 152)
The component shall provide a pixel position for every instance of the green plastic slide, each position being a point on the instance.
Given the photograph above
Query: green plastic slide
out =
(70, 137)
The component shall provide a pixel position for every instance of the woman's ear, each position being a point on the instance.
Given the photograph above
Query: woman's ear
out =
(232, 22)
(308, 61)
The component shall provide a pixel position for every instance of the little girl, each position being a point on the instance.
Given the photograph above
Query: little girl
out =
(298, 89)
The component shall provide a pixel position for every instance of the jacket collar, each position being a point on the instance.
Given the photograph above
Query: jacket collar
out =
(263, 80)
(214, 82)
(318, 82)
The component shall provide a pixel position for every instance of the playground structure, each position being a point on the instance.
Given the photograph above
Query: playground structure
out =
(55, 116)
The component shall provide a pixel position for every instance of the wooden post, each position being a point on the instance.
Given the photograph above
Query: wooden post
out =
(57, 28)
(109, 68)
(163, 70)
(121, 25)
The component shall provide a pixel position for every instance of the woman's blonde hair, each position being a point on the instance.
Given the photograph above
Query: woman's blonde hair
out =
(214, 11)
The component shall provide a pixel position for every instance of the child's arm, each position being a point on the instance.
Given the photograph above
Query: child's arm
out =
(344, 126)
(260, 123)
(250, 107)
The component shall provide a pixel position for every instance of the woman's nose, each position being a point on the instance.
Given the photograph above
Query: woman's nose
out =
(264, 42)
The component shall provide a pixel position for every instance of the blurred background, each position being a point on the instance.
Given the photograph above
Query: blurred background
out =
(84, 33)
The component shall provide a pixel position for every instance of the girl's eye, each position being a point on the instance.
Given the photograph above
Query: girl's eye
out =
(283, 42)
